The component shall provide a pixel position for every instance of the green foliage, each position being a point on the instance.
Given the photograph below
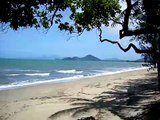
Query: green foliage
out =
(95, 13)
(83, 14)
(30, 13)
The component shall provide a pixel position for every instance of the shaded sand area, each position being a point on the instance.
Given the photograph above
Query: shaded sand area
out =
(111, 97)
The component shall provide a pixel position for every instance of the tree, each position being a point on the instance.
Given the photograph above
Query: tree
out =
(146, 15)
(142, 15)
(85, 14)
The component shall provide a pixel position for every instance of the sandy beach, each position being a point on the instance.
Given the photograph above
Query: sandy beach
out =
(109, 97)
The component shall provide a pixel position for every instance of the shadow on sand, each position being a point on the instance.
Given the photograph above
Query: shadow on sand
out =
(136, 100)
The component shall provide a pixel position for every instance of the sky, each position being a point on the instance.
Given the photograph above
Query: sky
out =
(32, 43)
(42, 44)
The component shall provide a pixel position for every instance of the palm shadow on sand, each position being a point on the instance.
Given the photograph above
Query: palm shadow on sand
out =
(134, 96)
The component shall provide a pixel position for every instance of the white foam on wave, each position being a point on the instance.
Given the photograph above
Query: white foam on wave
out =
(27, 83)
(37, 74)
(21, 70)
(69, 71)
(13, 74)
(30, 74)
(119, 71)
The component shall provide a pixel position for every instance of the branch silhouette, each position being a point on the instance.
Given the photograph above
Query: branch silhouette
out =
(131, 45)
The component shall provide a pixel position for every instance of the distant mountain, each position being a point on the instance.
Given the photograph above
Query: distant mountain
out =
(140, 60)
(71, 58)
(144, 60)
(85, 58)
(90, 57)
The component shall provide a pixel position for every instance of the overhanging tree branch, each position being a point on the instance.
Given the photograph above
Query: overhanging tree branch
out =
(54, 14)
(126, 19)
(125, 30)
(131, 45)
(138, 32)
(115, 21)
(127, 14)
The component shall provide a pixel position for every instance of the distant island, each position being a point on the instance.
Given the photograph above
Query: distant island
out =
(85, 58)
(93, 58)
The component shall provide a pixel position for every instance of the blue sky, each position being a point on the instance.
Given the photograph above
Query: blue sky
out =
(32, 43)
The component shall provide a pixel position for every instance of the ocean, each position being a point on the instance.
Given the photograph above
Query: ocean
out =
(17, 73)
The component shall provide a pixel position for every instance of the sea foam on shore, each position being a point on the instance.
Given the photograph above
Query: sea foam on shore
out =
(63, 79)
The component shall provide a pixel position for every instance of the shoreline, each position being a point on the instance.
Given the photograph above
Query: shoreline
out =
(41, 102)
(66, 79)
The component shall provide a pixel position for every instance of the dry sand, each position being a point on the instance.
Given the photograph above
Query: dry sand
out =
(101, 97)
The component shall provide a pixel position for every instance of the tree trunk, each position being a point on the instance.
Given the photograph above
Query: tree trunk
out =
(158, 70)
(158, 62)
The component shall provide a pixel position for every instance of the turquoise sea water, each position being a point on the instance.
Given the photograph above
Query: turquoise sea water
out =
(17, 73)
